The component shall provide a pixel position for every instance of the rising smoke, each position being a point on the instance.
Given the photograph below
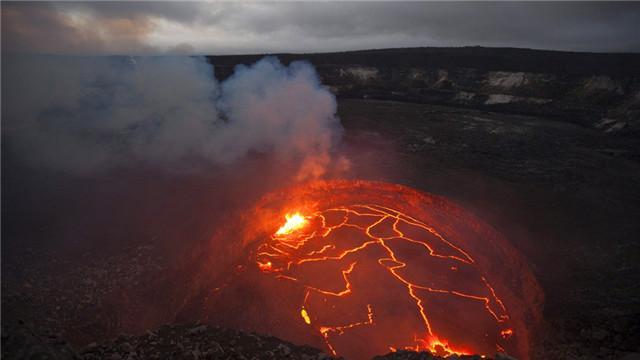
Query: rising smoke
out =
(86, 115)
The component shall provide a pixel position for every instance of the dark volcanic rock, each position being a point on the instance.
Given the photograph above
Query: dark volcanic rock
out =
(86, 298)
(20, 341)
(194, 341)
(595, 90)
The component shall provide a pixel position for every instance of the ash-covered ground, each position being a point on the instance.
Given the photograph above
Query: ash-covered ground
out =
(565, 193)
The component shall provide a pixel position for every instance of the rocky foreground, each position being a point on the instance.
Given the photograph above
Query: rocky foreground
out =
(188, 342)
(55, 309)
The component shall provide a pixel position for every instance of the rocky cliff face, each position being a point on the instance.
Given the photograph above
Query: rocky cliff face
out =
(594, 90)
(596, 100)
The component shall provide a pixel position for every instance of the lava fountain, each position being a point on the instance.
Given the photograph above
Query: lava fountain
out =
(363, 268)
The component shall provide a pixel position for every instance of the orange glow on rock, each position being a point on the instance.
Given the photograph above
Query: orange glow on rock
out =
(266, 266)
(366, 267)
(442, 348)
(388, 230)
(507, 333)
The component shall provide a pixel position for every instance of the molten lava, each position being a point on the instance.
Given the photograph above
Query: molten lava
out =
(331, 235)
(366, 268)
(294, 222)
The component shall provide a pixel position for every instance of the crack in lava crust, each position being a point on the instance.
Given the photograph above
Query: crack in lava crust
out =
(363, 268)
(317, 238)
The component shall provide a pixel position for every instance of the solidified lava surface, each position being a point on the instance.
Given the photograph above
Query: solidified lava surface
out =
(363, 268)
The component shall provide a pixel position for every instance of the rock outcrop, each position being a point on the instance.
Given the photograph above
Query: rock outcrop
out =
(594, 90)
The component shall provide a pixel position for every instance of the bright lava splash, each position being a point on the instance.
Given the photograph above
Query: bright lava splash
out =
(372, 267)
(294, 222)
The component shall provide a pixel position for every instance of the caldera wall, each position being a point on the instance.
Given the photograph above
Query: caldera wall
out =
(594, 90)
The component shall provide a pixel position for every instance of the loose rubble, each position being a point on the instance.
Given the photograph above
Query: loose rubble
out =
(196, 341)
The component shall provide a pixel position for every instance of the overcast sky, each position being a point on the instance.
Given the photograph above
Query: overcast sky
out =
(259, 27)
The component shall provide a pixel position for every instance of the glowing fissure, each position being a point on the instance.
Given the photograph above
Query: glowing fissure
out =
(386, 227)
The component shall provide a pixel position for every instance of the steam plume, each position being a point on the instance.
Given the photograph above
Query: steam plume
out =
(84, 115)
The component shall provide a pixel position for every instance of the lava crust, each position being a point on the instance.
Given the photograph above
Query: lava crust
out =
(363, 268)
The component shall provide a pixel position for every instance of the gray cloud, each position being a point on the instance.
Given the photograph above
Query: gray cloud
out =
(44, 28)
(224, 27)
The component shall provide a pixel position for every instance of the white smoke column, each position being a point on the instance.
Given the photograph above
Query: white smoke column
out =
(287, 110)
(83, 115)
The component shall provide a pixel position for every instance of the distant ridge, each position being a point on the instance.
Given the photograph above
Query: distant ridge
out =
(481, 58)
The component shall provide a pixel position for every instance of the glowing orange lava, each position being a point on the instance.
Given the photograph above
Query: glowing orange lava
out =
(294, 222)
(389, 230)
(366, 267)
